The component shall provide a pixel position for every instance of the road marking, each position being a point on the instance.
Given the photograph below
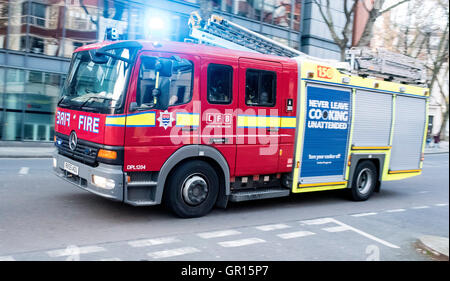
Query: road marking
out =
(69, 251)
(395, 210)
(7, 258)
(215, 234)
(24, 170)
(360, 232)
(242, 242)
(111, 259)
(297, 234)
(270, 227)
(151, 242)
(336, 228)
(317, 221)
(364, 214)
(441, 205)
(173, 252)
(420, 207)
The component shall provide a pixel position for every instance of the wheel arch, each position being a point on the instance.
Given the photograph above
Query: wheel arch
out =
(198, 152)
(377, 159)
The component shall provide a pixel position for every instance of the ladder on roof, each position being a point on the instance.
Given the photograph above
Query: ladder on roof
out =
(387, 65)
(217, 31)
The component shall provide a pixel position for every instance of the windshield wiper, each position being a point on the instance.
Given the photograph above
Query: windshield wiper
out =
(61, 102)
(86, 101)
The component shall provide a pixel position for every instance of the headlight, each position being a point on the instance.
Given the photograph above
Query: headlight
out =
(54, 162)
(103, 182)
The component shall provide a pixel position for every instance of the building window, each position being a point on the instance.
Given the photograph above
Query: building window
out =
(36, 14)
(260, 87)
(36, 44)
(220, 84)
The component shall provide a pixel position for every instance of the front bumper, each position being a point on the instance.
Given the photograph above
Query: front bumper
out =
(84, 178)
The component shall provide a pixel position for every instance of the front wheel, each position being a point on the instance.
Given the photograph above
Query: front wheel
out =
(364, 181)
(192, 189)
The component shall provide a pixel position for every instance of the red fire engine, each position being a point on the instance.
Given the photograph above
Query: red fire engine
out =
(196, 126)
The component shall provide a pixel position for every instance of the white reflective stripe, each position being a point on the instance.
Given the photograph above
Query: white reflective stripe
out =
(24, 170)
(395, 210)
(270, 227)
(317, 221)
(215, 234)
(151, 242)
(69, 251)
(295, 234)
(111, 259)
(367, 235)
(173, 252)
(420, 207)
(441, 205)
(364, 214)
(242, 242)
(336, 228)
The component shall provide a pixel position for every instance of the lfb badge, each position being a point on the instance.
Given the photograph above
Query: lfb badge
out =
(165, 119)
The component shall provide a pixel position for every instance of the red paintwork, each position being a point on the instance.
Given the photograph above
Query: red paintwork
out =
(105, 135)
(152, 146)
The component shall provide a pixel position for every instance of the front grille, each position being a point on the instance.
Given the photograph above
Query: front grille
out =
(84, 152)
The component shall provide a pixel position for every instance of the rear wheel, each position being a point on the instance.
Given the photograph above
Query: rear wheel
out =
(364, 181)
(192, 189)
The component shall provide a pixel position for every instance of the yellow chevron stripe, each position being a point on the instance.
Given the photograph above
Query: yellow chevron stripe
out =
(266, 121)
(143, 119)
(115, 121)
(187, 119)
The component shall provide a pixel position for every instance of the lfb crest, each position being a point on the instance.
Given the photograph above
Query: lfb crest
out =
(165, 119)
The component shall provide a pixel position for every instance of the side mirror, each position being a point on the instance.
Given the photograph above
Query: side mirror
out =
(133, 107)
(164, 67)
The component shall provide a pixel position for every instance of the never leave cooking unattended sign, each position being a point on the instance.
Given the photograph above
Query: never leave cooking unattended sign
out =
(328, 115)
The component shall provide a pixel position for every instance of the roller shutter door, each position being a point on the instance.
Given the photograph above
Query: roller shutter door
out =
(373, 119)
(408, 133)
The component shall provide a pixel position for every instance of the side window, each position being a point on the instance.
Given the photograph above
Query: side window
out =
(220, 84)
(178, 86)
(260, 87)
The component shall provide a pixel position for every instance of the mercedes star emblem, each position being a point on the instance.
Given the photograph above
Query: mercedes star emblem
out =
(73, 139)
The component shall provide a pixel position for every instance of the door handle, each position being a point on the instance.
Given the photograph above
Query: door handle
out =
(188, 129)
(218, 140)
(272, 129)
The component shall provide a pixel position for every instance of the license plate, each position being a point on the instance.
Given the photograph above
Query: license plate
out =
(71, 168)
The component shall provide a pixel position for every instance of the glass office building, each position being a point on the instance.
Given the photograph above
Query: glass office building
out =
(38, 37)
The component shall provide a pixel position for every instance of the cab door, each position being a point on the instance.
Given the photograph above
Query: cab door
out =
(258, 117)
(219, 101)
(152, 135)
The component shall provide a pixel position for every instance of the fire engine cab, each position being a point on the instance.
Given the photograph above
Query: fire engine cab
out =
(195, 126)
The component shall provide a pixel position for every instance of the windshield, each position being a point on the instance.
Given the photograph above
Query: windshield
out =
(95, 86)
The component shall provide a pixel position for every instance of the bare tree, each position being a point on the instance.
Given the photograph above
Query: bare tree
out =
(374, 12)
(424, 34)
(342, 38)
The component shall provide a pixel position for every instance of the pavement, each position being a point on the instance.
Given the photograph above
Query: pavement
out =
(437, 246)
(20, 149)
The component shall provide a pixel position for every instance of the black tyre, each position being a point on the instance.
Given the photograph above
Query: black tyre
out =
(192, 189)
(364, 181)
